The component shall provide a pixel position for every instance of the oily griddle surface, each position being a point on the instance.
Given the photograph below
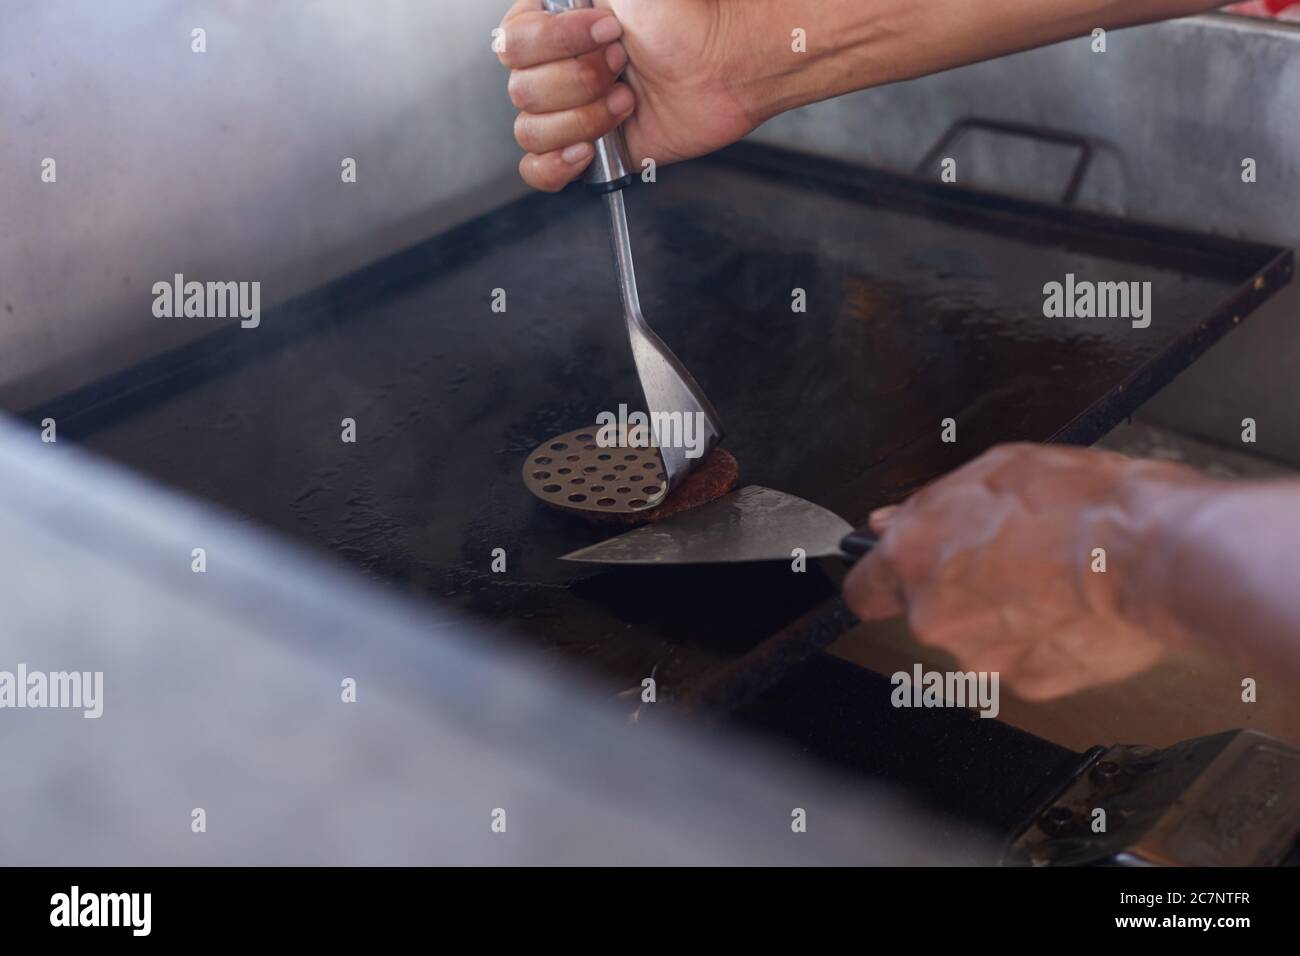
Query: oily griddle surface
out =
(923, 303)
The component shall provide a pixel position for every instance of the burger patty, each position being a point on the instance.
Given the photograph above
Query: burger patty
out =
(712, 478)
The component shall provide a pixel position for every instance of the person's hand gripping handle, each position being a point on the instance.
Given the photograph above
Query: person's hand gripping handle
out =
(611, 168)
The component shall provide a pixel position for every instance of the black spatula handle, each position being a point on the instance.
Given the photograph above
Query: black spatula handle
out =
(857, 543)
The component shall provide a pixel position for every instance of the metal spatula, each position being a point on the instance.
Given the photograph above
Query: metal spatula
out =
(752, 524)
(669, 388)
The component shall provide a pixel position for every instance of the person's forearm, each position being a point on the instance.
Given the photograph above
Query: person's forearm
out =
(855, 44)
(1221, 568)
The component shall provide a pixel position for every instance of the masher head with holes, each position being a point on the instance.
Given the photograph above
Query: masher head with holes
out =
(574, 471)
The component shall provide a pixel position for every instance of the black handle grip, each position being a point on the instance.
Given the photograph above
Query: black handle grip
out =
(857, 543)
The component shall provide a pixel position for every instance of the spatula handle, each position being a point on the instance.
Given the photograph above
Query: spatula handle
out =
(612, 167)
(857, 543)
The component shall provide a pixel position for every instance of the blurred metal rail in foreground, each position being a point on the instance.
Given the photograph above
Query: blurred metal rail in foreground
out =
(222, 691)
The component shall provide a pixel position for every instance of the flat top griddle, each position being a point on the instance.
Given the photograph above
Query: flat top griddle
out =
(924, 302)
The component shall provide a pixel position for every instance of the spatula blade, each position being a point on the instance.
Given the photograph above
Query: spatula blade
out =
(752, 524)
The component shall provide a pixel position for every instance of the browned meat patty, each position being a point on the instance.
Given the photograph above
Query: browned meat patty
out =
(712, 478)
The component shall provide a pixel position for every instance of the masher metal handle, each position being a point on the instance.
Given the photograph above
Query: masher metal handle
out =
(668, 387)
(611, 168)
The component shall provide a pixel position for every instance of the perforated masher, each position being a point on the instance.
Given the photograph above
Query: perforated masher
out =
(666, 384)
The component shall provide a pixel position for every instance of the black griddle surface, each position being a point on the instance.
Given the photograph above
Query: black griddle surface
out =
(924, 303)
(969, 771)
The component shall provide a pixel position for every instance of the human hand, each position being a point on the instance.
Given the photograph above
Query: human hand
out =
(995, 564)
(679, 96)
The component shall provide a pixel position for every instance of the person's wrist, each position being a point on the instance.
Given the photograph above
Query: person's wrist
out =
(769, 68)
(1145, 527)
(748, 65)
(853, 47)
